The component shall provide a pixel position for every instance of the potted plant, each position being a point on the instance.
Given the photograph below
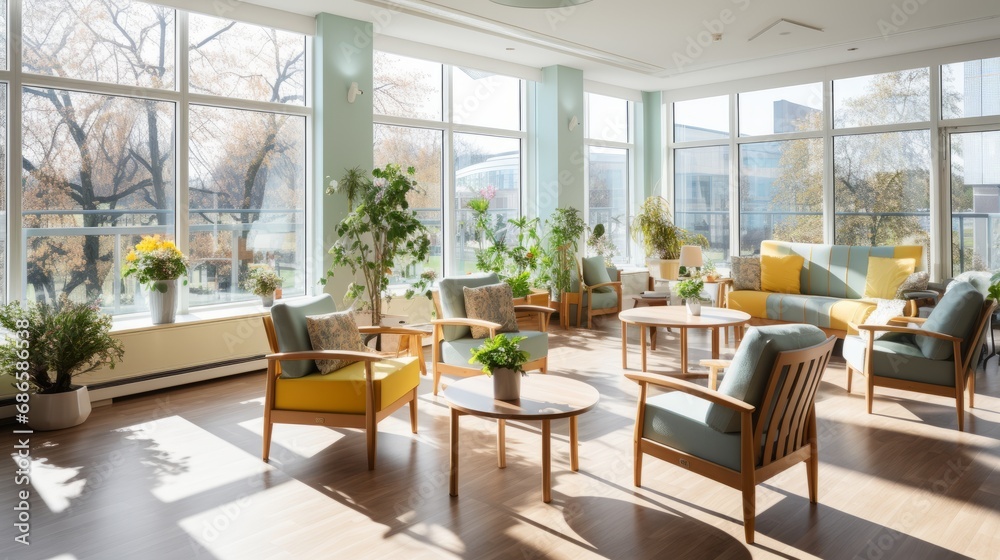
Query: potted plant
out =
(502, 358)
(157, 264)
(565, 226)
(690, 291)
(709, 272)
(661, 239)
(599, 244)
(379, 232)
(47, 345)
(994, 289)
(263, 281)
(516, 264)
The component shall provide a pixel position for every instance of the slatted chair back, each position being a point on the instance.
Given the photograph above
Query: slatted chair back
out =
(971, 346)
(783, 425)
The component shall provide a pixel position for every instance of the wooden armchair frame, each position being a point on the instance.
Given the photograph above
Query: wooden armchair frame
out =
(367, 421)
(439, 367)
(576, 298)
(965, 368)
(791, 427)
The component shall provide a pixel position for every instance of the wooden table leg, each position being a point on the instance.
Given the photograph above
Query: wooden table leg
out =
(574, 452)
(453, 461)
(625, 345)
(715, 343)
(546, 461)
(642, 346)
(652, 338)
(684, 351)
(501, 443)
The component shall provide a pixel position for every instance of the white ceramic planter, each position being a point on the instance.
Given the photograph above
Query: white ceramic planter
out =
(57, 411)
(694, 307)
(163, 301)
(268, 300)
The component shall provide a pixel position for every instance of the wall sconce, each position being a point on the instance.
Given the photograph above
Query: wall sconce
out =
(353, 92)
(573, 123)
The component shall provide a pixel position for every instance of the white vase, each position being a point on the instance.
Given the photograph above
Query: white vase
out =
(506, 384)
(694, 307)
(163, 301)
(268, 300)
(55, 411)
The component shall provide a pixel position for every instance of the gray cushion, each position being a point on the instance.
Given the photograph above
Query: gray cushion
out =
(747, 377)
(896, 355)
(677, 420)
(458, 352)
(595, 272)
(453, 300)
(290, 328)
(956, 315)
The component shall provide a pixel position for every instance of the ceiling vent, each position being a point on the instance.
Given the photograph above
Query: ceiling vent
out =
(785, 29)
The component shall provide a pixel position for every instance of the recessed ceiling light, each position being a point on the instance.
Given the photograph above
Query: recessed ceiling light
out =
(539, 3)
(853, 49)
(785, 33)
(510, 48)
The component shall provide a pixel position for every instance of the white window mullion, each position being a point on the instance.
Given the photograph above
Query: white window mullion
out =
(181, 153)
(448, 211)
(17, 271)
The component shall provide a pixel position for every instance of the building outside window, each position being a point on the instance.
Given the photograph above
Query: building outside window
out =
(610, 145)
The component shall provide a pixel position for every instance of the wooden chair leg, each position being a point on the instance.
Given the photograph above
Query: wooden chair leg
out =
(267, 436)
(850, 378)
(812, 464)
(437, 379)
(413, 411)
(371, 433)
(960, 406)
(869, 391)
(972, 390)
(749, 508)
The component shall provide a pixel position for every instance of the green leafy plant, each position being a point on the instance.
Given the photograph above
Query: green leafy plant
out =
(57, 342)
(262, 281)
(517, 263)
(654, 228)
(994, 289)
(690, 289)
(564, 226)
(599, 244)
(520, 284)
(378, 232)
(500, 351)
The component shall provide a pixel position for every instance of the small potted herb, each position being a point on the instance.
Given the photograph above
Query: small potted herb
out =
(263, 281)
(690, 290)
(502, 358)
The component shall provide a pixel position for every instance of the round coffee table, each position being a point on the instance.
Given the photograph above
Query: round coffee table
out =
(544, 398)
(676, 316)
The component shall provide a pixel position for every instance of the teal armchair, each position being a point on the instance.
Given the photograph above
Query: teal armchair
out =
(760, 422)
(939, 357)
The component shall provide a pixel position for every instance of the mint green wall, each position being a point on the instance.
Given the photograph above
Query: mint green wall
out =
(559, 151)
(343, 134)
(650, 125)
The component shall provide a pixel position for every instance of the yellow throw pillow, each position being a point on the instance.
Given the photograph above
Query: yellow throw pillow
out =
(781, 274)
(885, 274)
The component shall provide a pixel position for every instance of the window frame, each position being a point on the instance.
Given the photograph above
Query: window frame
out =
(626, 251)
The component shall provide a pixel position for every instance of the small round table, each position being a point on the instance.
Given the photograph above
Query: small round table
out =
(544, 398)
(676, 316)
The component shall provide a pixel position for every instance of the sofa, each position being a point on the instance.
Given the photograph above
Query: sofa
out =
(831, 284)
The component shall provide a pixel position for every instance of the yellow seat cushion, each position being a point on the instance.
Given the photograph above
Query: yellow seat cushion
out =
(343, 391)
(885, 274)
(781, 275)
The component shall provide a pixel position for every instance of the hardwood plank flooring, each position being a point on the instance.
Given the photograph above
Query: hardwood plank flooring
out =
(177, 474)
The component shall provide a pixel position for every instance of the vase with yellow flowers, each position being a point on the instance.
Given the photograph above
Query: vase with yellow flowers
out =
(158, 265)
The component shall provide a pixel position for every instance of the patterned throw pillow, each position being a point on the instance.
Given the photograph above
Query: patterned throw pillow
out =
(334, 331)
(746, 273)
(491, 303)
(915, 282)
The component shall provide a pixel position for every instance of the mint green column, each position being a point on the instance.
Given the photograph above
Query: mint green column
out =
(560, 151)
(342, 131)
(650, 136)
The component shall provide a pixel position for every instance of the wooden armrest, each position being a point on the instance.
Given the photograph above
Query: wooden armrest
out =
(465, 322)
(616, 285)
(713, 362)
(402, 331)
(905, 320)
(713, 397)
(526, 308)
(908, 330)
(326, 355)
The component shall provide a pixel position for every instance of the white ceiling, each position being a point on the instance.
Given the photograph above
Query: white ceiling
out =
(665, 44)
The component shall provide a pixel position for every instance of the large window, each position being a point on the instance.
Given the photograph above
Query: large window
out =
(609, 168)
(467, 149)
(701, 196)
(98, 167)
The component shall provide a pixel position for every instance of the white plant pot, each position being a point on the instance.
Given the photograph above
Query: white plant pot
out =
(506, 384)
(56, 411)
(163, 301)
(694, 307)
(268, 300)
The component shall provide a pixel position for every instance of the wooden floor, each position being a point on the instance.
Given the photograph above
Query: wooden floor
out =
(177, 474)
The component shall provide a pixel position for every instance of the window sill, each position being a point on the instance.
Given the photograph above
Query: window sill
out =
(242, 310)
